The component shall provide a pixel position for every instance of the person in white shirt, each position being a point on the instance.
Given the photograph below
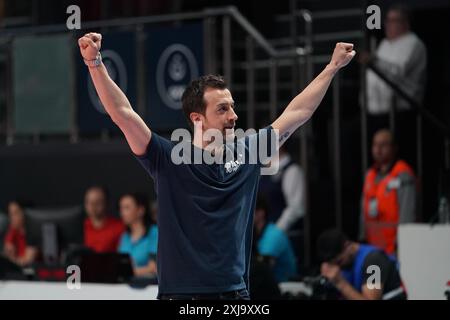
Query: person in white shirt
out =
(401, 56)
(285, 192)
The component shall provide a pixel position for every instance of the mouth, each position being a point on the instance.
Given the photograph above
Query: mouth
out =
(230, 127)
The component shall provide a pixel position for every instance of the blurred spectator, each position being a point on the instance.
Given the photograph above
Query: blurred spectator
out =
(352, 268)
(402, 57)
(4, 223)
(285, 193)
(140, 240)
(389, 194)
(273, 244)
(101, 231)
(15, 245)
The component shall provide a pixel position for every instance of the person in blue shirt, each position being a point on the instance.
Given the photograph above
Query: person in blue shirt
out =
(271, 242)
(359, 271)
(140, 240)
(205, 217)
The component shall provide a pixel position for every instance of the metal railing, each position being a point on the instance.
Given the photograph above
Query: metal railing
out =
(209, 16)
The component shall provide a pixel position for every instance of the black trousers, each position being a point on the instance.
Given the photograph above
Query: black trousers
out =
(230, 295)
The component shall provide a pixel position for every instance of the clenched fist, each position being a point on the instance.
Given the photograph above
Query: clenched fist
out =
(343, 53)
(90, 45)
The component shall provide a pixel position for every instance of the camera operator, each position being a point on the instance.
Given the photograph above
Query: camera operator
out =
(358, 271)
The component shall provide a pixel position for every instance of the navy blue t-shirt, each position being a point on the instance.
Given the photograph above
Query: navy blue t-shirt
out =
(205, 218)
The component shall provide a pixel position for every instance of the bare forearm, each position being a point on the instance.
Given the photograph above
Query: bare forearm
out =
(348, 291)
(302, 107)
(309, 99)
(111, 96)
(118, 107)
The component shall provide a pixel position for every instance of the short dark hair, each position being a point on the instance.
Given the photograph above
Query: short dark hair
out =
(394, 141)
(100, 187)
(21, 202)
(141, 200)
(193, 97)
(403, 10)
(330, 244)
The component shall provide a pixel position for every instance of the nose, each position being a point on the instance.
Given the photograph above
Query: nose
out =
(234, 116)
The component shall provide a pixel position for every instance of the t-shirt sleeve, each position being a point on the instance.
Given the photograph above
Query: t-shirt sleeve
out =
(380, 260)
(158, 151)
(153, 240)
(262, 145)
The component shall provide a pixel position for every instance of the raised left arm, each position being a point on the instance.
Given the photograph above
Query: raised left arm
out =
(301, 108)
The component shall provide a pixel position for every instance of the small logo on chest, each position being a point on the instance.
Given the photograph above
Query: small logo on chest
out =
(233, 165)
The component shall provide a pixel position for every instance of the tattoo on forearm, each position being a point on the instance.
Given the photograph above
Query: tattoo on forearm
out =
(284, 136)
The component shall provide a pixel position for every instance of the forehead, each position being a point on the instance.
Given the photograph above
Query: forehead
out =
(126, 199)
(94, 192)
(383, 137)
(394, 14)
(216, 96)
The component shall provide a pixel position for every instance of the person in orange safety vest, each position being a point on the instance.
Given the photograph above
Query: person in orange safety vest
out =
(388, 196)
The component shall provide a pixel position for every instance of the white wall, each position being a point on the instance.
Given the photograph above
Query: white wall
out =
(424, 254)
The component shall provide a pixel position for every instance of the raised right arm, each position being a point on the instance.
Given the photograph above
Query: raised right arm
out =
(118, 107)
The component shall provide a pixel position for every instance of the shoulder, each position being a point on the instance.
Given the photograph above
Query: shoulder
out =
(87, 223)
(401, 167)
(370, 173)
(125, 239)
(115, 223)
(254, 136)
(382, 46)
(414, 38)
(376, 257)
(155, 144)
(152, 231)
(10, 235)
(293, 169)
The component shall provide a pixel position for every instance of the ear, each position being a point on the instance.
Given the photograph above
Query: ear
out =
(195, 116)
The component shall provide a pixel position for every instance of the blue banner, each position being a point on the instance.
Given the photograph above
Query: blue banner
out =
(175, 57)
(119, 56)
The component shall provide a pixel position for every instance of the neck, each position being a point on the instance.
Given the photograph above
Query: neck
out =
(208, 145)
(137, 229)
(98, 222)
(384, 167)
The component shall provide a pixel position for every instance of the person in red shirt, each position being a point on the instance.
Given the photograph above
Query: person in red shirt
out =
(15, 245)
(101, 231)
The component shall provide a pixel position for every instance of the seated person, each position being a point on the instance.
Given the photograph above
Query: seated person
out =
(15, 246)
(140, 240)
(271, 242)
(101, 231)
(352, 268)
